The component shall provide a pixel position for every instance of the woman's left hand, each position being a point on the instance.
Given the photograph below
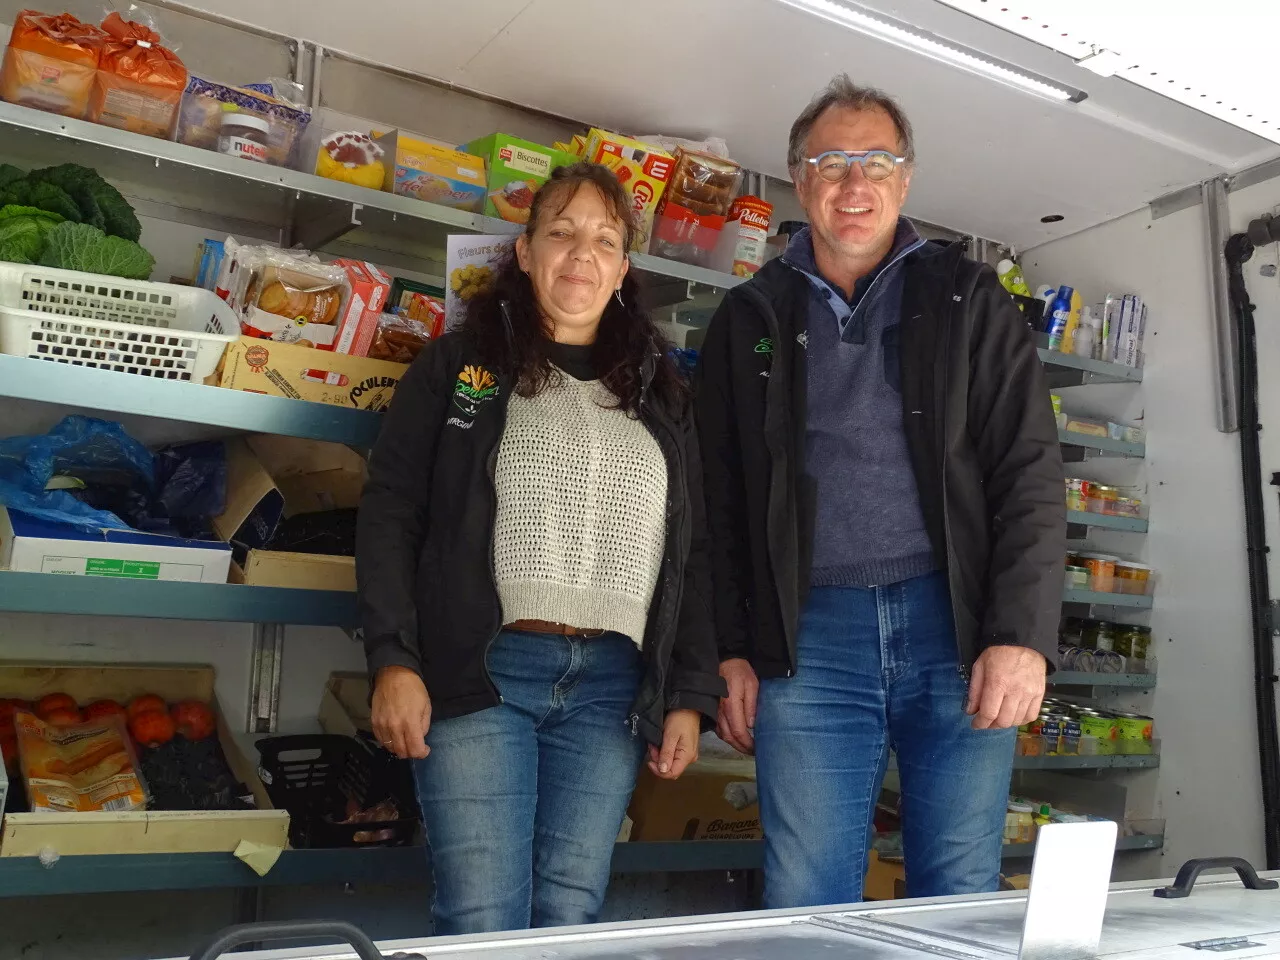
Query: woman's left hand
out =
(680, 734)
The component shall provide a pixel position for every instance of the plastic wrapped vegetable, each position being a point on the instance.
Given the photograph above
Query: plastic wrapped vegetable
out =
(51, 62)
(139, 83)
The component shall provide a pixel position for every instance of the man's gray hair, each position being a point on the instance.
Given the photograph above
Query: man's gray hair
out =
(843, 92)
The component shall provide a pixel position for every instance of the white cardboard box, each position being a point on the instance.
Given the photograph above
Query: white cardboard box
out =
(30, 545)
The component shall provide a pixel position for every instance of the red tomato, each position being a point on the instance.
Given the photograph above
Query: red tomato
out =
(63, 718)
(147, 703)
(103, 708)
(152, 728)
(193, 719)
(54, 701)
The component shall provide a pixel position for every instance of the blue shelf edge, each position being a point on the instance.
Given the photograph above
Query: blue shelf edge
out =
(108, 597)
(1094, 598)
(122, 393)
(1102, 370)
(1106, 521)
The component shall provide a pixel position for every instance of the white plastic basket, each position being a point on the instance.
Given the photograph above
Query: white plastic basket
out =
(131, 326)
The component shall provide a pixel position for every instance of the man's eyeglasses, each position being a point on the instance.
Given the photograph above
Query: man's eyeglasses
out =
(834, 165)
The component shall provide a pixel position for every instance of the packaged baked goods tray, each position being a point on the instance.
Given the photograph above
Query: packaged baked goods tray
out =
(131, 326)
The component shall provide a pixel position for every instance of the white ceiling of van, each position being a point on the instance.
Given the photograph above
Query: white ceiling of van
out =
(993, 160)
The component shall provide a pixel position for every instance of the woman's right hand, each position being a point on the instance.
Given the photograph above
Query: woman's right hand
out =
(401, 713)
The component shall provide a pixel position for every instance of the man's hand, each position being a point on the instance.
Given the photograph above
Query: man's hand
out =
(680, 732)
(401, 713)
(1007, 688)
(737, 719)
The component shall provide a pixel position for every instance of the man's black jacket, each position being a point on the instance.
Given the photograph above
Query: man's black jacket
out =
(424, 545)
(983, 445)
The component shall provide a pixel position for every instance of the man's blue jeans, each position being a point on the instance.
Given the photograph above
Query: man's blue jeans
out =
(878, 669)
(522, 802)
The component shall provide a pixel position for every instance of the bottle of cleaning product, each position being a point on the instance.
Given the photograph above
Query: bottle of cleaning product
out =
(1059, 314)
(1086, 335)
(1011, 278)
(1046, 294)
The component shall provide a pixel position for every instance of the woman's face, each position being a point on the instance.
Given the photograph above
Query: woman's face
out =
(576, 259)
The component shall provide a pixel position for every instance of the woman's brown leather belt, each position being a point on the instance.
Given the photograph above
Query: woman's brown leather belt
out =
(546, 626)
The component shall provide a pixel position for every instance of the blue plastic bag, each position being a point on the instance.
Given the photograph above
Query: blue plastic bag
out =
(92, 451)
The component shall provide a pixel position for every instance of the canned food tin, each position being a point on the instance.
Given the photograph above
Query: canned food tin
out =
(1078, 494)
(1101, 729)
(1069, 745)
(1133, 731)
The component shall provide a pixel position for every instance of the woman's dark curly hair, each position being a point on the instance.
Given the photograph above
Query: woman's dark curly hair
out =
(630, 354)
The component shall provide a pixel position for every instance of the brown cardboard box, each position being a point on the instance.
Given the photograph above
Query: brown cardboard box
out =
(700, 805)
(344, 704)
(142, 831)
(886, 879)
(304, 373)
(270, 478)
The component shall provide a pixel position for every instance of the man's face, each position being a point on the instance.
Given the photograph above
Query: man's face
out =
(856, 217)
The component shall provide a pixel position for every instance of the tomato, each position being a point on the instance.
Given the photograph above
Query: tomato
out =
(152, 727)
(147, 703)
(103, 708)
(54, 701)
(63, 718)
(193, 719)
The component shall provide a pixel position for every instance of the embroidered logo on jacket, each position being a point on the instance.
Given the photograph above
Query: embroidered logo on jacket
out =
(765, 345)
(475, 386)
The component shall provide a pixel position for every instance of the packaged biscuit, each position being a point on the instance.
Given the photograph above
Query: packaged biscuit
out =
(693, 212)
(643, 171)
(81, 768)
(436, 174)
(517, 170)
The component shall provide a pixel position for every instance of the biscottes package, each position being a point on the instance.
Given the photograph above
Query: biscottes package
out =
(139, 83)
(51, 62)
(82, 768)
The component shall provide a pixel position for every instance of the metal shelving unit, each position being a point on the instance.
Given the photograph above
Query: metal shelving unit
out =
(1102, 521)
(168, 600)
(1116, 681)
(1138, 761)
(1102, 445)
(111, 392)
(1095, 599)
(1067, 370)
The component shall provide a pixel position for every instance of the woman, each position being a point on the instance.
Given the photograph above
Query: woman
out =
(532, 580)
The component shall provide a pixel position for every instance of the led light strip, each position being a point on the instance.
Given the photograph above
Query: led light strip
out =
(1217, 94)
(937, 48)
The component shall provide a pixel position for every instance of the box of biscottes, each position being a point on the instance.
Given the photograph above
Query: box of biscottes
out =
(517, 170)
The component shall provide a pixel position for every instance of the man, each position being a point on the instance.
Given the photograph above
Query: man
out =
(884, 492)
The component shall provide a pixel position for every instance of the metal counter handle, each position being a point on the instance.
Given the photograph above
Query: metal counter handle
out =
(1191, 870)
(236, 936)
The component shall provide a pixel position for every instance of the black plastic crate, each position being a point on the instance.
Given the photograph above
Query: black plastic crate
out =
(313, 776)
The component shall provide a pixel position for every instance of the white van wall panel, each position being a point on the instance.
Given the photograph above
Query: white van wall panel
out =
(1208, 784)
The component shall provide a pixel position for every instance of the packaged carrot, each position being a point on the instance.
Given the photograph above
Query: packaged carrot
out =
(80, 768)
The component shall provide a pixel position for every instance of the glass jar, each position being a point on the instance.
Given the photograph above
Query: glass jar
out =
(1102, 498)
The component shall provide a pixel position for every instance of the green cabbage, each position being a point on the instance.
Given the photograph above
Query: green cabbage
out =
(79, 246)
(21, 239)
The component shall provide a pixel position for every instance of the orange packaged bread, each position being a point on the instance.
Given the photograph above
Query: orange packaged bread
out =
(78, 767)
(139, 83)
(51, 62)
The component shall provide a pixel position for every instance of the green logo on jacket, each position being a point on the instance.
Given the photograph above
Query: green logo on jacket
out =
(475, 386)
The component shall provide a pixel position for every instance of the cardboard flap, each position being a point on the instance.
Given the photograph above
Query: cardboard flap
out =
(254, 504)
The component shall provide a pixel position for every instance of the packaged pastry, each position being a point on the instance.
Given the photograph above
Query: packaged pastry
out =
(691, 217)
(352, 157)
(437, 174)
(400, 338)
(139, 82)
(81, 768)
(285, 297)
(205, 103)
(51, 62)
(358, 324)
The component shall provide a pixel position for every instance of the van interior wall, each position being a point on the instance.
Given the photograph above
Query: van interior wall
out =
(1208, 785)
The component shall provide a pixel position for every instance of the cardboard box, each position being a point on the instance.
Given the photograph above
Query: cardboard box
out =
(358, 324)
(344, 704)
(272, 478)
(303, 373)
(643, 171)
(32, 545)
(149, 831)
(715, 799)
(434, 174)
(885, 880)
(517, 170)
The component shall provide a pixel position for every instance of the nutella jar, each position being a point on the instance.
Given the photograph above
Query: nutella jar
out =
(244, 135)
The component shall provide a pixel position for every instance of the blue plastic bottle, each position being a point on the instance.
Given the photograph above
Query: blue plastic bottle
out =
(1059, 313)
